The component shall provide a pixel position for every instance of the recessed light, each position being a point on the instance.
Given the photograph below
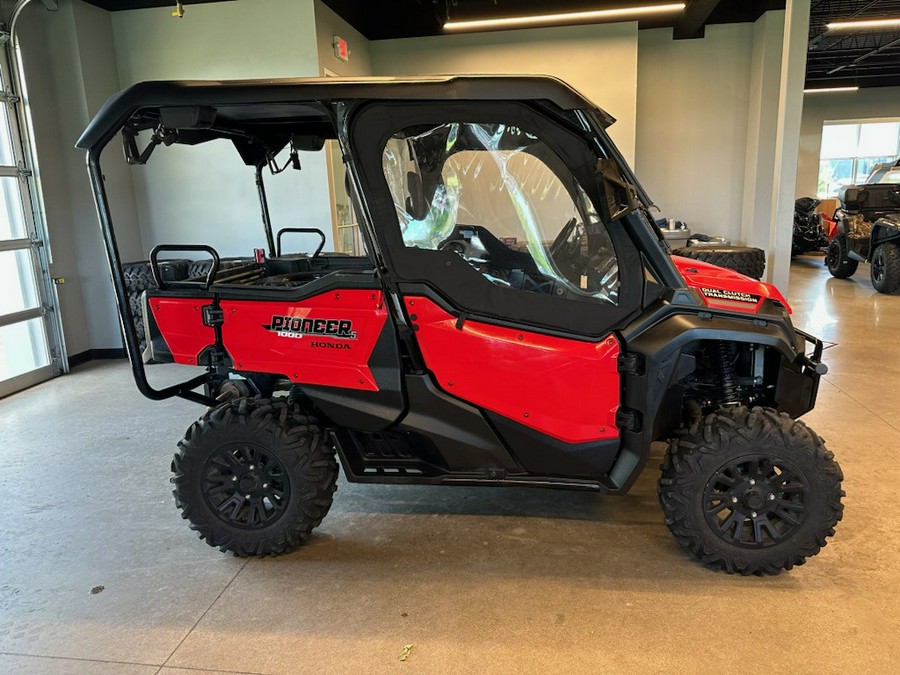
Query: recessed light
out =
(824, 90)
(867, 23)
(564, 17)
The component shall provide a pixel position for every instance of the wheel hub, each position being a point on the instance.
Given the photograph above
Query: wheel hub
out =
(756, 501)
(245, 485)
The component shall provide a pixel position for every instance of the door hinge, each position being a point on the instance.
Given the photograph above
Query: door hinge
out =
(213, 316)
(631, 364)
(629, 419)
(6, 96)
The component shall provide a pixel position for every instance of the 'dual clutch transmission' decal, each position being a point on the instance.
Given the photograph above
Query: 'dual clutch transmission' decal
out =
(734, 296)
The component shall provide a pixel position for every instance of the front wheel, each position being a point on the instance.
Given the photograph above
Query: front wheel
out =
(750, 490)
(886, 268)
(836, 260)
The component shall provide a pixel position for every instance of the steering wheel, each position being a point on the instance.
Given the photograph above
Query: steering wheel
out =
(560, 241)
(557, 246)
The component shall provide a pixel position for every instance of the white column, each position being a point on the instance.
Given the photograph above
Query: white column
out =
(773, 138)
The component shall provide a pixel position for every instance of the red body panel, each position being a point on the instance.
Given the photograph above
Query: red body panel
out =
(567, 389)
(726, 289)
(306, 358)
(180, 321)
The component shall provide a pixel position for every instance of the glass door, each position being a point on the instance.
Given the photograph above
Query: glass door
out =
(28, 334)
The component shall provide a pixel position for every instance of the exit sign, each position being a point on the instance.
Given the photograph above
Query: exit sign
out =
(341, 50)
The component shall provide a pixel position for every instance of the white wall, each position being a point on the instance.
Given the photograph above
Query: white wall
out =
(693, 98)
(873, 103)
(599, 60)
(178, 202)
(70, 69)
(329, 25)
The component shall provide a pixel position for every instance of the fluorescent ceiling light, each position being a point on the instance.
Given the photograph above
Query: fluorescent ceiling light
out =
(829, 89)
(565, 17)
(869, 23)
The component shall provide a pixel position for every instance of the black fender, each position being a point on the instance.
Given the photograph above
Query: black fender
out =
(657, 343)
(884, 230)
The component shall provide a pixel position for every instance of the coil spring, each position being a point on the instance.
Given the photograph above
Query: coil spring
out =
(730, 394)
(295, 394)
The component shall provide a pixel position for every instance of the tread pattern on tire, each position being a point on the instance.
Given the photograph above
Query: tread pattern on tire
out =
(836, 260)
(891, 283)
(302, 447)
(691, 459)
(746, 260)
(139, 278)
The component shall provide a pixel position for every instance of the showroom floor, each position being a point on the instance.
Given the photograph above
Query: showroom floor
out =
(100, 575)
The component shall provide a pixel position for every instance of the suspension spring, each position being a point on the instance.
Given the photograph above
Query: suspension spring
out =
(726, 357)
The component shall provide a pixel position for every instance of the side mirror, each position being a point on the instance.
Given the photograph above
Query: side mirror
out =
(618, 196)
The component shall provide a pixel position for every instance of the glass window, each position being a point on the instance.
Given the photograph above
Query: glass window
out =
(850, 152)
(23, 348)
(12, 222)
(504, 201)
(839, 140)
(17, 281)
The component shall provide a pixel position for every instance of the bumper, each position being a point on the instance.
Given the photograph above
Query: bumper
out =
(798, 379)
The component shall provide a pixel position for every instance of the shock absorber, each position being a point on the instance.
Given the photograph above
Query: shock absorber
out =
(725, 362)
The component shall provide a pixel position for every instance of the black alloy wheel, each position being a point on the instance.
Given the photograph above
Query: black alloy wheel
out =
(245, 485)
(756, 501)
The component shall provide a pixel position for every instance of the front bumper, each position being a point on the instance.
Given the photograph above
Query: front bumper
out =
(798, 379)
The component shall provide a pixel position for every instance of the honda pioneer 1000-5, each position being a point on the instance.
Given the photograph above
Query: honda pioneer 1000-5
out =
(514, 318)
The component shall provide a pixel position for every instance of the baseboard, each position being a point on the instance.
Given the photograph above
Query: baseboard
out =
(95, 354)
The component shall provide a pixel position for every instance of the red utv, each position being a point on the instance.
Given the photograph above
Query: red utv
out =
(517, 320)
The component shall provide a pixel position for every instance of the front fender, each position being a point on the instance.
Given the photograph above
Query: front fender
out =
(659, 343)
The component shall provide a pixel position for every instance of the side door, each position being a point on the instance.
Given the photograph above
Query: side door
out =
(486, 217)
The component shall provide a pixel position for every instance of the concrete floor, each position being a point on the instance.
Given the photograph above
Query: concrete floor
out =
(476, 579)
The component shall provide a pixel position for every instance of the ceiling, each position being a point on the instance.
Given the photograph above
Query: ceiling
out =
(867, 58)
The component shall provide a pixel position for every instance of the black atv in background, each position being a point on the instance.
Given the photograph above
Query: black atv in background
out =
(868, 230)
(808, 232)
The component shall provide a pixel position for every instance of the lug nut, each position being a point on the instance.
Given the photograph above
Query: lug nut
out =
(751, 481)
(252, 467)
(234, 479)
(771, 497)
(753, 515)
(246, 496)
(265, 485)
(734, 500)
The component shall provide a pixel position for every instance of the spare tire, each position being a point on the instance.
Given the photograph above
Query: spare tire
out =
(200, 268)
(744, 259)
(139, 278)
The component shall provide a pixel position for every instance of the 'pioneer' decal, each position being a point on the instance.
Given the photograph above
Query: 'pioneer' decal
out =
(735, 296)
(297, 327)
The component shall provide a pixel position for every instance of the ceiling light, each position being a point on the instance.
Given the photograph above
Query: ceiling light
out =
(870, 23)
(566, 17)
(829, 89)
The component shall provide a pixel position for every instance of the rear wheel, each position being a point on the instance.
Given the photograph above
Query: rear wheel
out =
(885, 268)
(836, 260)
(751, 491)
(254, 476)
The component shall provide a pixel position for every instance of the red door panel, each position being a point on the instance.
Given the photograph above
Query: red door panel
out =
(325, 340)
(567, 389)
